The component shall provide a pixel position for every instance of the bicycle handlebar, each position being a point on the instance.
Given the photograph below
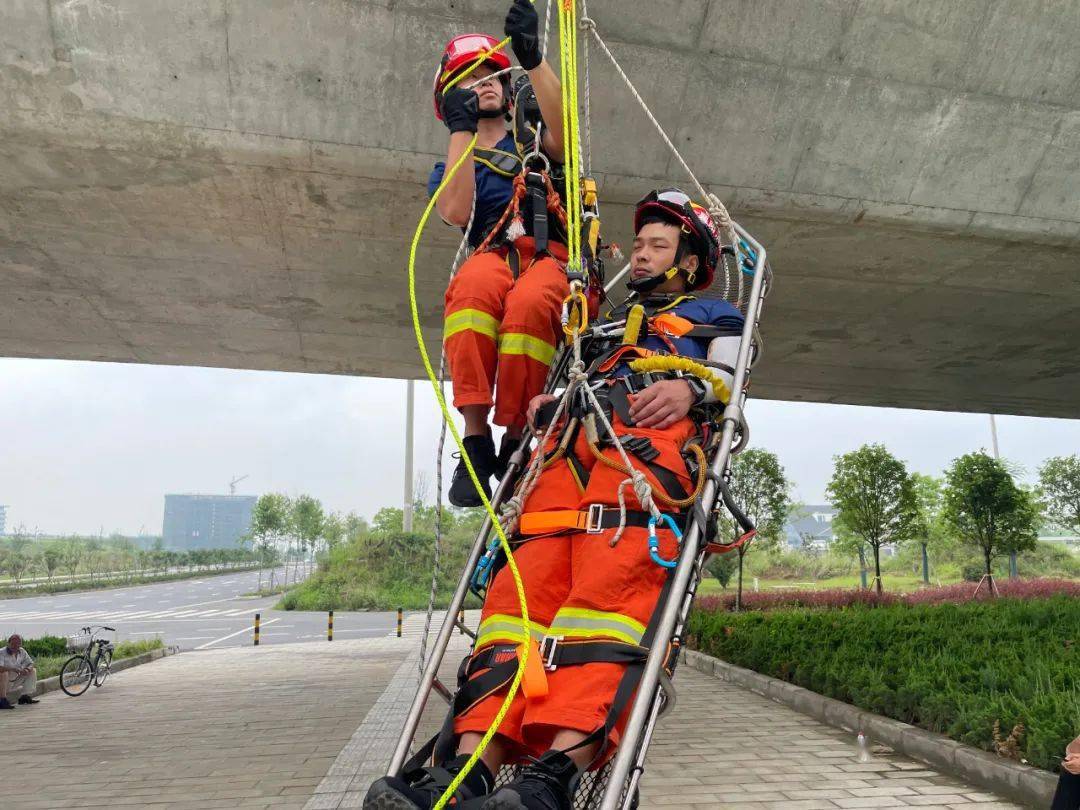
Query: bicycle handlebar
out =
(113, 629)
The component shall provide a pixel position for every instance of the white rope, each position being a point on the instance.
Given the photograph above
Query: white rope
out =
(547, 27)
(494, 75)
(588, 99)
(716, 208)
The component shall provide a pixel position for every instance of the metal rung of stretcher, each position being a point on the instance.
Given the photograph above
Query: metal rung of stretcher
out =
(615, 787)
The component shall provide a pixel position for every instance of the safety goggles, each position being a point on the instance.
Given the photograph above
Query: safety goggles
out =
(669, 196)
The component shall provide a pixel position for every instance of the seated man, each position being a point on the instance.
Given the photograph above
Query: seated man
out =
(1067, 795)
(18, 676)
(592, 593)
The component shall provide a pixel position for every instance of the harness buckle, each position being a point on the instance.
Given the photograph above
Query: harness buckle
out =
(548, 646)
(594, 523)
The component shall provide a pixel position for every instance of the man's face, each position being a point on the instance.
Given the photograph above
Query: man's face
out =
(490, 91)
(14, 643)
(654, 253)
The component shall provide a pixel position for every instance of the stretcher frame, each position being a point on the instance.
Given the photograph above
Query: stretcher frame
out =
(655, 693)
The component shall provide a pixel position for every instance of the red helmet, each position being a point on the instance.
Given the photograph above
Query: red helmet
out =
(461, 52)
(675, 206)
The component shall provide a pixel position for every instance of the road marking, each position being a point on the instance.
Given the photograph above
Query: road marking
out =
(192, 638)
(231, 635)
(144, 632)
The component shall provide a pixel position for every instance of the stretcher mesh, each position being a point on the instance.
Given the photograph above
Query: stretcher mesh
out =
(590, 789)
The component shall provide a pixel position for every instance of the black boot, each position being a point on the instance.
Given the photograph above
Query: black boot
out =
(421, 789)
(546, 784)
(481, 450)
(26, 700)
(506, 449)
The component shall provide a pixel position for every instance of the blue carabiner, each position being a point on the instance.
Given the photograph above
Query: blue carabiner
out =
(654, 541)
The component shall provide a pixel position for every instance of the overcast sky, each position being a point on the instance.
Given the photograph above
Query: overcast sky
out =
(95, 446)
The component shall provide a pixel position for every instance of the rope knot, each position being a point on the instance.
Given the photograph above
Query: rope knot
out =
(587, 24)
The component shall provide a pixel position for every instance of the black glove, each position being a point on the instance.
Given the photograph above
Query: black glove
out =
(522, 26)
(460, 109)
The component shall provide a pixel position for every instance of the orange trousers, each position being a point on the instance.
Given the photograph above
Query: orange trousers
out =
(578, 586)
(501, 334)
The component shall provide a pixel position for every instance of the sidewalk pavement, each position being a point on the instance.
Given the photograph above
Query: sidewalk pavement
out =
(311, 725)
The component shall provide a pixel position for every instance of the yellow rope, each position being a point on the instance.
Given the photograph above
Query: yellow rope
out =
(516, 682)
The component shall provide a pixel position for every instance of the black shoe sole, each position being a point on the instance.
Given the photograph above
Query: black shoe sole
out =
(504, 800)
(382, 796)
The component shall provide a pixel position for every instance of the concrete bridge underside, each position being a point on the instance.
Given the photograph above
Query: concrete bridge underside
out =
(234, 182)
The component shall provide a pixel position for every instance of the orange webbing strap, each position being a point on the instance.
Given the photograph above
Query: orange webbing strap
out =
(672, 324)
(724, 548)
(543, 522)
(534, 683)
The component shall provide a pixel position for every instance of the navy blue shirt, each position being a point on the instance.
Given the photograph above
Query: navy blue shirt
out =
(701, 311)
(493, 192)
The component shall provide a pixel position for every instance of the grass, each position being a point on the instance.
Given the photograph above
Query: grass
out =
(116, 582)
(50, 665)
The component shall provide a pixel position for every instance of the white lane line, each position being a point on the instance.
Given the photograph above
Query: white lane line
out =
(144, 632)
(231, 635)
(192, 638)
(128, 606)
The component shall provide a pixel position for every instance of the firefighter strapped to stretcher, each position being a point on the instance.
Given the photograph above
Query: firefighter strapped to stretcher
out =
(604, 527)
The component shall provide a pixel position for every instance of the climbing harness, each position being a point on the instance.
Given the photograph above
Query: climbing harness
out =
(585, 409)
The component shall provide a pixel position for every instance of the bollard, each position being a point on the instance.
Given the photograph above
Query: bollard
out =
(256, 629)
(461, 622)
(400, 617)
(330, 627)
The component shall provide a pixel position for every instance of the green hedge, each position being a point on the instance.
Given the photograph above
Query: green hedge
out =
(953, 669)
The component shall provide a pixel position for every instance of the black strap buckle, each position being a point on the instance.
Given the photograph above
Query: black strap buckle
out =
(594, 523)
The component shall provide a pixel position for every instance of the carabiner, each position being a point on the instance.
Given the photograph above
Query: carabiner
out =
(654, 541)
(575, 316)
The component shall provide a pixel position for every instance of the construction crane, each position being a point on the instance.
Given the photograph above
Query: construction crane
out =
(234, 482)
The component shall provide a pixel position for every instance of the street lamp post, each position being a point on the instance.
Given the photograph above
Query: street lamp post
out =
(407, 520)
(1013, 573)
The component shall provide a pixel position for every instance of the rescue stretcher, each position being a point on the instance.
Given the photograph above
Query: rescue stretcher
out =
(615, 785)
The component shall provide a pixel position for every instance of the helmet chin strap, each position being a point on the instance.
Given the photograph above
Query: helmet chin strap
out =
(645, 286)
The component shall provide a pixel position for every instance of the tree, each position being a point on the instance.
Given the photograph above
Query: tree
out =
(51, 557)
(269, 522)
(334, 529)
(307, 521)
(986, 508)
(875, 499)
(72, 550)
(760, 487)
(1059, 489)
(927, 528)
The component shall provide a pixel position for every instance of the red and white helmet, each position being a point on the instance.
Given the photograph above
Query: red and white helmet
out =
(461, 52)
(675, 206)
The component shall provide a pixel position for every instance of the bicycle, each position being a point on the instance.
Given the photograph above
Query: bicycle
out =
(91, 665)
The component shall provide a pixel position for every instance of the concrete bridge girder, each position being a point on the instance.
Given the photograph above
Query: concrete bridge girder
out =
(234, 182)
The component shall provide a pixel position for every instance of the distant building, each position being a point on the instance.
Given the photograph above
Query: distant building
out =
(206, 521)
(810, 527)
(3, 520)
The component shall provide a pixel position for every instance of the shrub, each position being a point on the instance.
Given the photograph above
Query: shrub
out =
(851, 597)
(953, 667)
(45, 646)
(381, 571)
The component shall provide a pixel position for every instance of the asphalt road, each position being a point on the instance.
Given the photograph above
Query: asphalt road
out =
(206, 612)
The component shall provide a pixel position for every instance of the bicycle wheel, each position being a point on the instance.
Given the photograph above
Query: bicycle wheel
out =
(76, 675)
(104, 667)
